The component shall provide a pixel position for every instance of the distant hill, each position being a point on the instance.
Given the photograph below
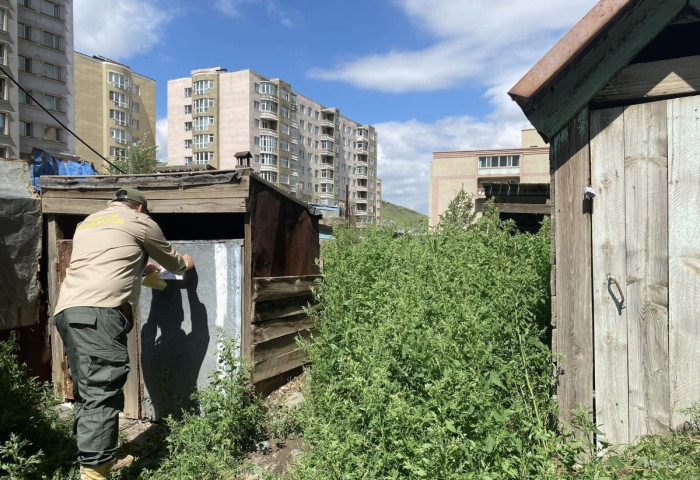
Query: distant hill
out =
(402, 216)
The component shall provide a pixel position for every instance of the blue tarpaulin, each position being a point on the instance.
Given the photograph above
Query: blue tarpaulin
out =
(44, 164)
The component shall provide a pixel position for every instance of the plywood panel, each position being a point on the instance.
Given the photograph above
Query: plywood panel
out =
(608, 250)
(647, 267)
(684, 253)
(572, 236)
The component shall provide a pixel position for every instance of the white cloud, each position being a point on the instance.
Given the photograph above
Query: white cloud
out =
(162, 139)
(118, 30)
(234, 8)
(487, 43)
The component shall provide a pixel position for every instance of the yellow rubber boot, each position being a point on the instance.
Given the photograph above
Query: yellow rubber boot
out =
(95, 472)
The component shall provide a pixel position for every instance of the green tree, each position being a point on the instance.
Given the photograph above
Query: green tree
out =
(460, 212)
(140, 158)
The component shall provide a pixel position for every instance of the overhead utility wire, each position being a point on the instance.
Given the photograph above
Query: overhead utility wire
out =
(4, 72)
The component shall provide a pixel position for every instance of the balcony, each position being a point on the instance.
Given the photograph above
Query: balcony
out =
(363, 147)
(361, 174)
(268, 114)
(361, 188)
(326, 137)
(362, 157)
(268, 149)
(327, 123)
(499, 172)
(268, 96)
(268, 131)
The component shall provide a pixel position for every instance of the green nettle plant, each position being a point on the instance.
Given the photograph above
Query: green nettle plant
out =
(460, 212)
(431, 357)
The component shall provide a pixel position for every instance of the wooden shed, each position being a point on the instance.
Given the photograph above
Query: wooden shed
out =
(618, 97)
(255, 249)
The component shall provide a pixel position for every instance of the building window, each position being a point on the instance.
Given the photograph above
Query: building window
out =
(256, 105)
(188, 160)
(118, 98)
(24, 64)
(3, 54)
(24, 31)
(284, 179)
(52, 134)
(135, 107)
(268, 106)
(51, 71)
(119, 117)
(24, 98)
(203, 123)
(3, 123)
(3, 89)
(188, 92)
(284, 162)
(202, 105)
(188, 109)
(119, 135)
(267, 144)
(499, 161)
(202, 158)
(136, 90)
(117, 152)
(188, 126)
(118, 80)
(268, 159)
(202, 87)
(284, 111)
(52, 40)
(25, 3)
(52, 103)
(268, 88)
(25, 129)
(135, 125)
(269, 176)
(203, 141)
(188, 144)
(50, 8)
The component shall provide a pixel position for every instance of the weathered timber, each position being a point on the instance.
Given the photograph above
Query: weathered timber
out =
(278, 365)
(645, 143)
(684, 254)
(278, 328)
(279, 346)
(609, 259)
(273, 288)
(537, 208)
(58, 372)
(283, 308)
(572, 235)
(82, 206)
(644, 81)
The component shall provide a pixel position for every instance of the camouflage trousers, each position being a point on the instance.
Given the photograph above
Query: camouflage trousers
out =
(98, 364)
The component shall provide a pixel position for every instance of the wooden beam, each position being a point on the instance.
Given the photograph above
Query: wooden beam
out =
(596, 65)
(273, 288)
(188, 192)
(80, 206)
(572, 236)
(278, 346)
(278, 365)
(643, 81)
(58, 376)
(535, 208)
(267, 331)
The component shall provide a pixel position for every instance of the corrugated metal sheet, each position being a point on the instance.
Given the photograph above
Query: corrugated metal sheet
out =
(20, 246)
(180, 325)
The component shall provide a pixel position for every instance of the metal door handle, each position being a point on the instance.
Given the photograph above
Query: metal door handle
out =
(619, 290)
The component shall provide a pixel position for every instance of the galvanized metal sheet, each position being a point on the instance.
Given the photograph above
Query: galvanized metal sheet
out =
(20, 246)
(180, 325)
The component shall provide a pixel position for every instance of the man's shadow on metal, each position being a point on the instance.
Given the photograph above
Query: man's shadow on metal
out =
(171, 358)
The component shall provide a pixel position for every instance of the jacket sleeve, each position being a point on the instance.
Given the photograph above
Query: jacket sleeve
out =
(160, 250)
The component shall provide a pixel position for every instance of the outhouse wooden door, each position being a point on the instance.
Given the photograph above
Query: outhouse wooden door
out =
(645, 169)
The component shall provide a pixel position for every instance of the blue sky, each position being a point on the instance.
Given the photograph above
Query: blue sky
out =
(431, 75)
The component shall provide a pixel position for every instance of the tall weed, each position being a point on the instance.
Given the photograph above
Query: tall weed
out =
(431, 357)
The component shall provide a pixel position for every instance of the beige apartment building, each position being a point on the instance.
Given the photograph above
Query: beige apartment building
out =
(309, 150)
(36, 49)
(521, 174)
(114, 107)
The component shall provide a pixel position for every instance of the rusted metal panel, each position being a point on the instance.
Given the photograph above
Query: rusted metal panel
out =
(284, 234)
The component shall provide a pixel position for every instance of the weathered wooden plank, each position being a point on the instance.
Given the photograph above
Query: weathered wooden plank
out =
(644, 81)
(273, 288)
(646, 150)
(267, 331)
(225, 190)
(278, 365)
(608, 251)
(597, 63)
(58, 375)
(283, 308)
(278, 346)
(542, 209)
(248, 311)
(684, 254)
(571, 162)
(81, 206)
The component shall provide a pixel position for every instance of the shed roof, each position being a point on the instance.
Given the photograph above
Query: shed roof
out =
(580, 64)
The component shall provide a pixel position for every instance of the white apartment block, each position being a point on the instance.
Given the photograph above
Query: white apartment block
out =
(36, 49)
(309, 150)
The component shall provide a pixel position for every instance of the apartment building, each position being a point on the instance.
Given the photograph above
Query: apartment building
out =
(114, 107)
(521, 174)
(303, 147)
(36, 49)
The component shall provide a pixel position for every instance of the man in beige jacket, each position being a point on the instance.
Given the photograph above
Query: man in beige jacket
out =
(111, 249)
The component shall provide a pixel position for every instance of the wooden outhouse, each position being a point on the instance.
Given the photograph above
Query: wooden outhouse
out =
(255, 249)
(618, 99)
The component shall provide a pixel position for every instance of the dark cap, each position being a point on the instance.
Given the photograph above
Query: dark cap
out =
(128, 193)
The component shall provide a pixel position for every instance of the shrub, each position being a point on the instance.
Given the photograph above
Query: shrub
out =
(431, 357)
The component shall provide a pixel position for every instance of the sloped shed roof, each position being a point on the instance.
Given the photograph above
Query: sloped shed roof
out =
(580, 64)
